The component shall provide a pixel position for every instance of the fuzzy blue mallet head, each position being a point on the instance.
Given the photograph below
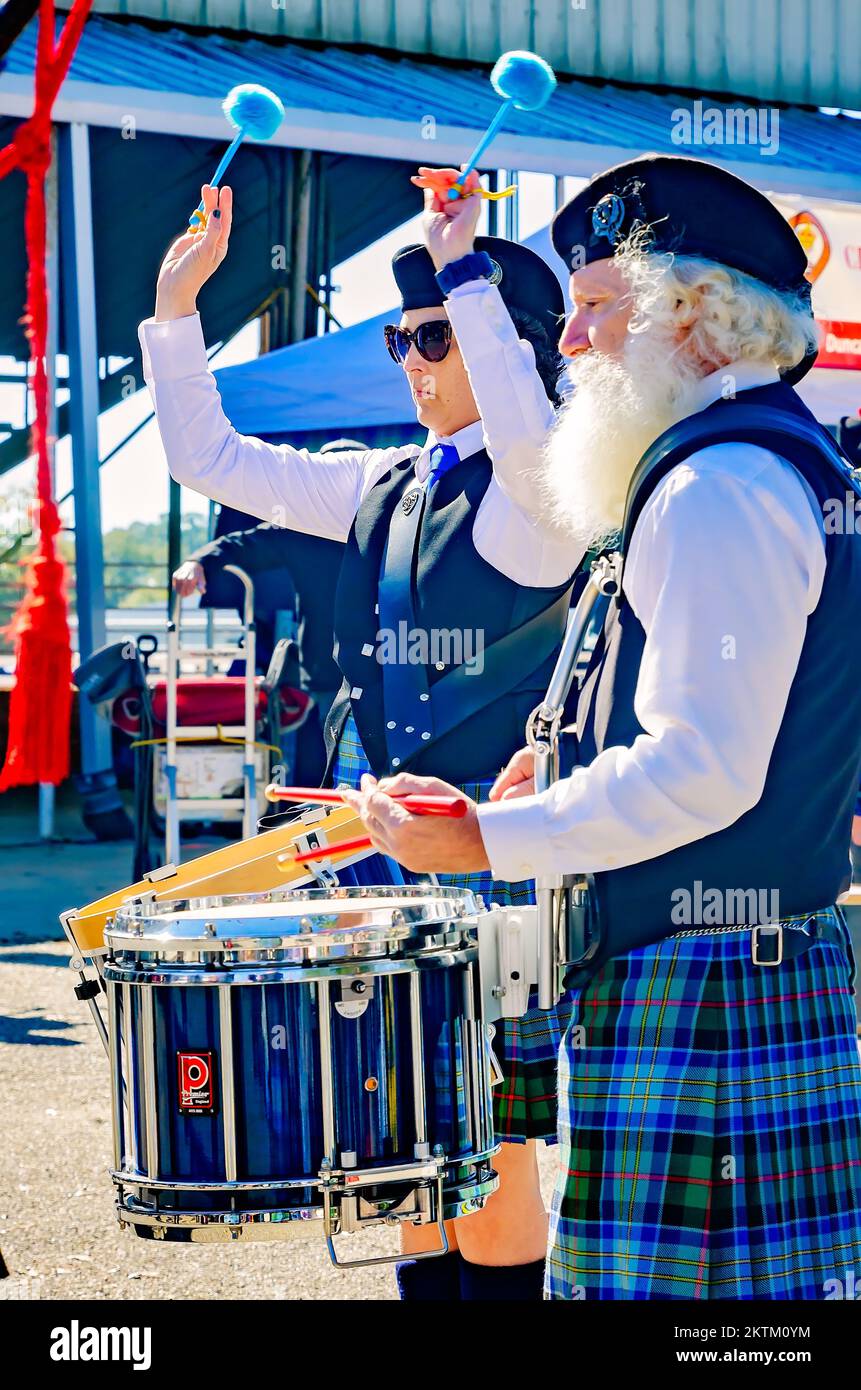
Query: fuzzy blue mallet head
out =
(255, 113)
(525, 82)
(254, 110)
(523, 78)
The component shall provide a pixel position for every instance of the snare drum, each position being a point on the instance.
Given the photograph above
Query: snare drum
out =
(298, 1054)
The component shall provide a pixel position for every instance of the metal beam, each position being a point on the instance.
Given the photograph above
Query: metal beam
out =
(174, 537)
(387, 138)
(304, 182)
(79, 308)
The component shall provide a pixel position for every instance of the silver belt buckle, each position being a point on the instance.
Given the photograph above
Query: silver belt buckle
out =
(776, 929)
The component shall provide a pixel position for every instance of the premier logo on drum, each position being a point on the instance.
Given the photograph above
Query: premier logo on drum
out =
(77, 1343)
(196, 1090)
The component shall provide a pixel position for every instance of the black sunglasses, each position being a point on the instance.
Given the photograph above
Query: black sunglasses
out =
(432, 340)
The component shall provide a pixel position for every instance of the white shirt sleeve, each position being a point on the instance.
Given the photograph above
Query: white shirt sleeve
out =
(517, 418)
(726, 564)
(282, 485)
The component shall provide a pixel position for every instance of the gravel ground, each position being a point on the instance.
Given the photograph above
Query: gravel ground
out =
(58, 1233)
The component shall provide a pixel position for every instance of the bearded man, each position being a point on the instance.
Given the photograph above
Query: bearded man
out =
(709, 1085)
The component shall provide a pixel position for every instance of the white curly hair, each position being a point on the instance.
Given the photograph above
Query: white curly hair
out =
(720, 314)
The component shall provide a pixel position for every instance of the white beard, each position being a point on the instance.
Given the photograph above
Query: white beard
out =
(617, 410)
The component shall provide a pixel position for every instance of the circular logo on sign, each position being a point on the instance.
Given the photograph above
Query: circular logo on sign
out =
(608, 214)
(814, 239)
(410, 501)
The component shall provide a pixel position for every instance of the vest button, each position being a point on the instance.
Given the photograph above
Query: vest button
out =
(440, 665)
(425, 736)
(424, 697)
(396, 762)
(391, 724)
(410, 729)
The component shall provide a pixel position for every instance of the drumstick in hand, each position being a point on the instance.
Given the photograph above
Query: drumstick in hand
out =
(416, 804)
(454, 806)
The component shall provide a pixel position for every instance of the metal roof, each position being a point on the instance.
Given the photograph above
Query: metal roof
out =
(790, 50)
(172, 80)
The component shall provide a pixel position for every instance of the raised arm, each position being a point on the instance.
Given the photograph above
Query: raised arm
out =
(516, 414)
(280, 484)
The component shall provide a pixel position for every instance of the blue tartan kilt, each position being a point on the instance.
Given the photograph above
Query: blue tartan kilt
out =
(710, 1127)
(527, 1048)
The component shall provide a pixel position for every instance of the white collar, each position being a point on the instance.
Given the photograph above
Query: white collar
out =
(467, 441)
(728, 381)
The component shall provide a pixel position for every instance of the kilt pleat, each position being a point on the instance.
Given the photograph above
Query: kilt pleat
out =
(710, 1127)
(527, 1048)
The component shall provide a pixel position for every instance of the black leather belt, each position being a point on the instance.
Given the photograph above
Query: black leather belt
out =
(771, 943)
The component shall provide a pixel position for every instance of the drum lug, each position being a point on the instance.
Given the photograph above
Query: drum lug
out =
(357, 991)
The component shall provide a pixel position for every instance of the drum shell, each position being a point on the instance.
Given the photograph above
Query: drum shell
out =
(266, 1122)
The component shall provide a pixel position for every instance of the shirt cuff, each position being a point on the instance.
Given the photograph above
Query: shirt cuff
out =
(476, 306)
(174, 349)
(513, 834)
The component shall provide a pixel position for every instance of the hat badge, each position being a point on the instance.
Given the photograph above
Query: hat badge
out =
(608, 215)
(496, 274)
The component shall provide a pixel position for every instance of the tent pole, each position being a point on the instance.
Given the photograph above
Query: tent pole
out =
(52, 271)
(301, 245)
(174, 536)
(511, 209)
(79, 307)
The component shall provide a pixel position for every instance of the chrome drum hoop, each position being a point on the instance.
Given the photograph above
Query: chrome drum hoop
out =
(164, 974)
(297, 926)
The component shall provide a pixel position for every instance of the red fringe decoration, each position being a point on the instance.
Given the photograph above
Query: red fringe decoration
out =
(41, 699)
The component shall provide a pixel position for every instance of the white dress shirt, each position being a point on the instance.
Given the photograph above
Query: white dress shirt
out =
(321, 494)
(725, 565)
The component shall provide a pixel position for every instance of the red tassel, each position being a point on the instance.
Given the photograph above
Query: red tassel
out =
(41, 701)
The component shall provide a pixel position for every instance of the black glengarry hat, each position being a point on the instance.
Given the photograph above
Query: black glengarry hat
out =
(525, 281)
(690, 207)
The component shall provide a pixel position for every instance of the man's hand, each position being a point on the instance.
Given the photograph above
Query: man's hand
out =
(188, 578)
(449, 223)
(193, 257)
(425, 844)
(517, 779)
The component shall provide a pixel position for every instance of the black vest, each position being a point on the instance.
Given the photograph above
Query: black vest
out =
(795, 841)
(454, 589)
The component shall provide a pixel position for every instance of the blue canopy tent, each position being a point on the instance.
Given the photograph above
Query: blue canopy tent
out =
(343, 384)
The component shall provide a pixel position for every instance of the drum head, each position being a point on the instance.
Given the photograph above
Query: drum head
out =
(305, 923)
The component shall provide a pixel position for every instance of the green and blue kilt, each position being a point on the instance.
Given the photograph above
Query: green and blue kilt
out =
(527, 1048)
(710, 1127)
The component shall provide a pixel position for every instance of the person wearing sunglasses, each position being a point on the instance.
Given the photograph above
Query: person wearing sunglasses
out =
(442, 547)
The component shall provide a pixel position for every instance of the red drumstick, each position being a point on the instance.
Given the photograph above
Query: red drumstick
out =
(324, 851)
(416, 803)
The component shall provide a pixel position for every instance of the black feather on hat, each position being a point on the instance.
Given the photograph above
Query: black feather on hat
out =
(525, 281)
(690, 207)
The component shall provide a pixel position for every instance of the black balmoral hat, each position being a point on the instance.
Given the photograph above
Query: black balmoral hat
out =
(525, 281)
(690, 207)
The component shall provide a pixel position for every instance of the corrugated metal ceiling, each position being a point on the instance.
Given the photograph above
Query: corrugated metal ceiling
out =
(332, 80)
(802, 51)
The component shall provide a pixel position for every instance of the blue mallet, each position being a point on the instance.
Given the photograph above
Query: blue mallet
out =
(255, 113)
(525, 82)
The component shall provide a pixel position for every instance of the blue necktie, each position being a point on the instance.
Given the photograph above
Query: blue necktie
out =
(442, 458)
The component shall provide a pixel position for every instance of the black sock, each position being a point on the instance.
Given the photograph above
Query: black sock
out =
(502, 1283)
(432, 1280)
